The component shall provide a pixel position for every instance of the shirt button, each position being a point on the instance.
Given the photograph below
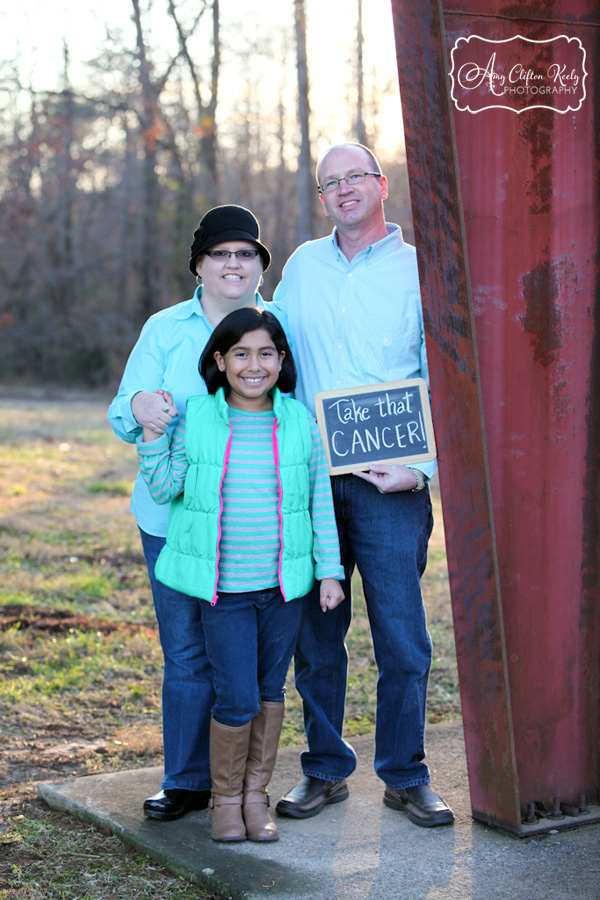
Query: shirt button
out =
(338, 382)
(340, 346)
(343, 309)
(349, 274)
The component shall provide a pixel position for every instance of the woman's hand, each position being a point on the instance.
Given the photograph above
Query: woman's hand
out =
(331, 594)
(154, 410)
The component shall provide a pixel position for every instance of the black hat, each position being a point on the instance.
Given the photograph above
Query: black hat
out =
(227, 223)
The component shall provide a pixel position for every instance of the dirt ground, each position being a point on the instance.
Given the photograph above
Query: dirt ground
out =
(34, 748)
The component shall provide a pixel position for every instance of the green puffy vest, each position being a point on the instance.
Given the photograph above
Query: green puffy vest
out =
(189, 560)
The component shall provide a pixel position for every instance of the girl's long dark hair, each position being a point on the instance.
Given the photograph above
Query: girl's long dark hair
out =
(229, 332)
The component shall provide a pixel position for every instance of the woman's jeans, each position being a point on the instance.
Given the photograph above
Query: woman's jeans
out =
(187, 695)
(385, 536)
(250, 639)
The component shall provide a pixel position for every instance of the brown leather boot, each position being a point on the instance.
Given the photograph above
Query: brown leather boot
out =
(264, 740)
(228, 754)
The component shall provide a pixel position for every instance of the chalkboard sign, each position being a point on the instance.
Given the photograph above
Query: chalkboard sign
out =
(377, 423)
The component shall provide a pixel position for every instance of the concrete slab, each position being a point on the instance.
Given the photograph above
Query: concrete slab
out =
(356, 850)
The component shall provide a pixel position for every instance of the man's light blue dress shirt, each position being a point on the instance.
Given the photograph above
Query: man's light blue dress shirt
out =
(165, 356)
(353, 323)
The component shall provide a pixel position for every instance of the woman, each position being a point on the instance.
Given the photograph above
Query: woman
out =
(228, 261)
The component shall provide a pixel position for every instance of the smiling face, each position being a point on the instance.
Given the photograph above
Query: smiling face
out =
(357, 206)
(252, 368)
(232, 281)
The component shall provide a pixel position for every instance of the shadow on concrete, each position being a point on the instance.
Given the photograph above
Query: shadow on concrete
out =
(356, 850)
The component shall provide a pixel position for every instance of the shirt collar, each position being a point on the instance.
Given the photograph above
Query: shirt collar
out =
(190, 307)
(393, 240)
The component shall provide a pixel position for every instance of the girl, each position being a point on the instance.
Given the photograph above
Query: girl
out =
(251, 526)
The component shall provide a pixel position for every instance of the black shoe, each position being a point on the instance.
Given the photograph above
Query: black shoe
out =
(310, 796)
(173, 803)
(421, 805)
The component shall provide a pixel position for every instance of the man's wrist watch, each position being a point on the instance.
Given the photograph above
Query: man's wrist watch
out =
(421, 480)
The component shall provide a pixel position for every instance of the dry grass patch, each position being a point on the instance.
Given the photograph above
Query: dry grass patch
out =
(48, 856)
(80, 661)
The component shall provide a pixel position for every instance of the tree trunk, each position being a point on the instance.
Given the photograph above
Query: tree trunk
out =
(361, 134)
(149, 272)
(211, 147)
(206, 112)
(306, 184)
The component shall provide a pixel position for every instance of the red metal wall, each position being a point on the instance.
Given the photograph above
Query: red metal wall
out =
(507, 229)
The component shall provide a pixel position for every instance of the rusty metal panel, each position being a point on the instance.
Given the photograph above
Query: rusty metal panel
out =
(506, 213)
(457, 408)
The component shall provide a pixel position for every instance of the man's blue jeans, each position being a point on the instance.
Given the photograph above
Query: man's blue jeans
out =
(187, 695)
(386, 537)
(250, 638)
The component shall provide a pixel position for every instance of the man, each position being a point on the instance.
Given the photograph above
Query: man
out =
(351, 307)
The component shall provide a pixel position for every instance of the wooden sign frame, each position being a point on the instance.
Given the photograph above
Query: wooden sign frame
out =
(382, 420)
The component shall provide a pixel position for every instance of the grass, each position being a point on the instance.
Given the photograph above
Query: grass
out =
(45, 858)
(80, 661)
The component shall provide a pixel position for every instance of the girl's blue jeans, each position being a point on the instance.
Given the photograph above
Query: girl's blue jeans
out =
(250, 639)
(187, 695)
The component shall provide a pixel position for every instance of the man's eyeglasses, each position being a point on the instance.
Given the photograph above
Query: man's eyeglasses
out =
(355, 178)
(222, 255)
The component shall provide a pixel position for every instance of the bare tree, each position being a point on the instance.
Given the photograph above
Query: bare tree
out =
(361, 134)
(206, 111)
(149, 272)
(158, 133)
(305, 231)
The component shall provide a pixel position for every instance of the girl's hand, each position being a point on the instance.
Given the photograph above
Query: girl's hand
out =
(154, 410)
(331, 594)
(167, 397)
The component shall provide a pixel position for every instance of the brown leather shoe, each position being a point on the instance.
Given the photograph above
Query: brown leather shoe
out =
(309, 797)
(173, 803)
(421, 805)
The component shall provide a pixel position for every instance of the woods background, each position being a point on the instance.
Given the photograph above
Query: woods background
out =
(104, 178)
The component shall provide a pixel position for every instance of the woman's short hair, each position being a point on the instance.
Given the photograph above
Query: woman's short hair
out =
(229, 332)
